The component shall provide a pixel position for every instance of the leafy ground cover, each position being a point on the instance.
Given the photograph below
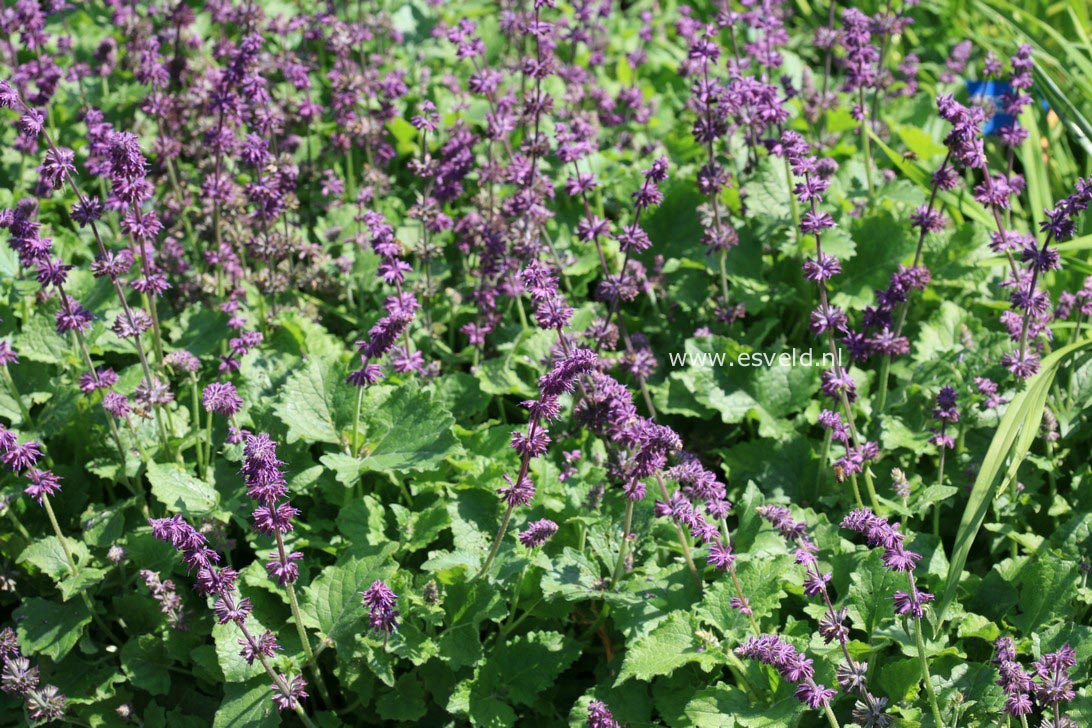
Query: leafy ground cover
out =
(545, 363)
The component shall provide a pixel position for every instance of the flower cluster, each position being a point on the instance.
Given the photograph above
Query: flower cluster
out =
(170, 603)
(851, 674)
(946, 413)
(599, 716)
(794, 666)
(219, 583)
(20, 678)
(381, 603)
(265, 483)
(896, 557)
(537, 533)
(1049, 685)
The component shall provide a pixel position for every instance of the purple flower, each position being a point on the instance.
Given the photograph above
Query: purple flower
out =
(794, 666)
(538, 533)
(290, 699)
(599, 716)
(221, 398)
(517, 494)
(43, 483)
(381, 603)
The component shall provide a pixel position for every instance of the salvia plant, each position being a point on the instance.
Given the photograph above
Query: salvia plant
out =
(546, 362)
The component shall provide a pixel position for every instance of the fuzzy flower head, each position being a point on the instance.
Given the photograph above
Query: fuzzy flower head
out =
(381, 602)
(538, 533)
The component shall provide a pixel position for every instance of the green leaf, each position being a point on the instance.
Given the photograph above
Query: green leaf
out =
(247, 705)
(332, 605)
(362, 522)
(1021, 420)
(405, 430)
(346, 468)
(872, 590)
(39, 341)
(529, 664)
(721, 706)
(406, 702)
(84, 578)
(419, 528)
(144, 661)
(176, 488)
(48, 555)
(899, 679)
(667, 647)
(466, 607)
(308, 402)
(1047, 587)
(573, 577)
(50, 629)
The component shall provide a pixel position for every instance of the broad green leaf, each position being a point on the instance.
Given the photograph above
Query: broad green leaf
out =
(667, 647)
(247, 705)
(176, 488)
(406, 702)
(466, 607)
(49, 556)
(527, 665)
(308, 402)
(48, 628)
(144, 661)
(1047, 587)
(405, 430)
(721, 706)
(332, 603)
(872, 591)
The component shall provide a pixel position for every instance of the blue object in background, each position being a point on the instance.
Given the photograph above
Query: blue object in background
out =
(994, 90)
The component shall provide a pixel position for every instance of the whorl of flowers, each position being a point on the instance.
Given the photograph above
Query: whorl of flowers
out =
(20, 678)
(881, 534)
(266, 484)
(599, 716)
(793, 666)
(219, 583)
(537, 533)
(381, 603)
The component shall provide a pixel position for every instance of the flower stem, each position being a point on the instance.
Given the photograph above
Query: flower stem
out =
(925, 673)
(830, 715)
(682, 536)
(208, 444)
(497, 540)
(624, 548)
(356, 421)
(60, 536)
(866, 142)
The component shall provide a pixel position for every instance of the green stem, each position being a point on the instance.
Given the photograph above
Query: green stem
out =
(619, 565)
(830, 715)
(867, 145)
(18, 524)
(515, 594)
(356, 421)
(208, 444)
(60, 536)
(925, 673)
(195, 415)
(497, 540)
